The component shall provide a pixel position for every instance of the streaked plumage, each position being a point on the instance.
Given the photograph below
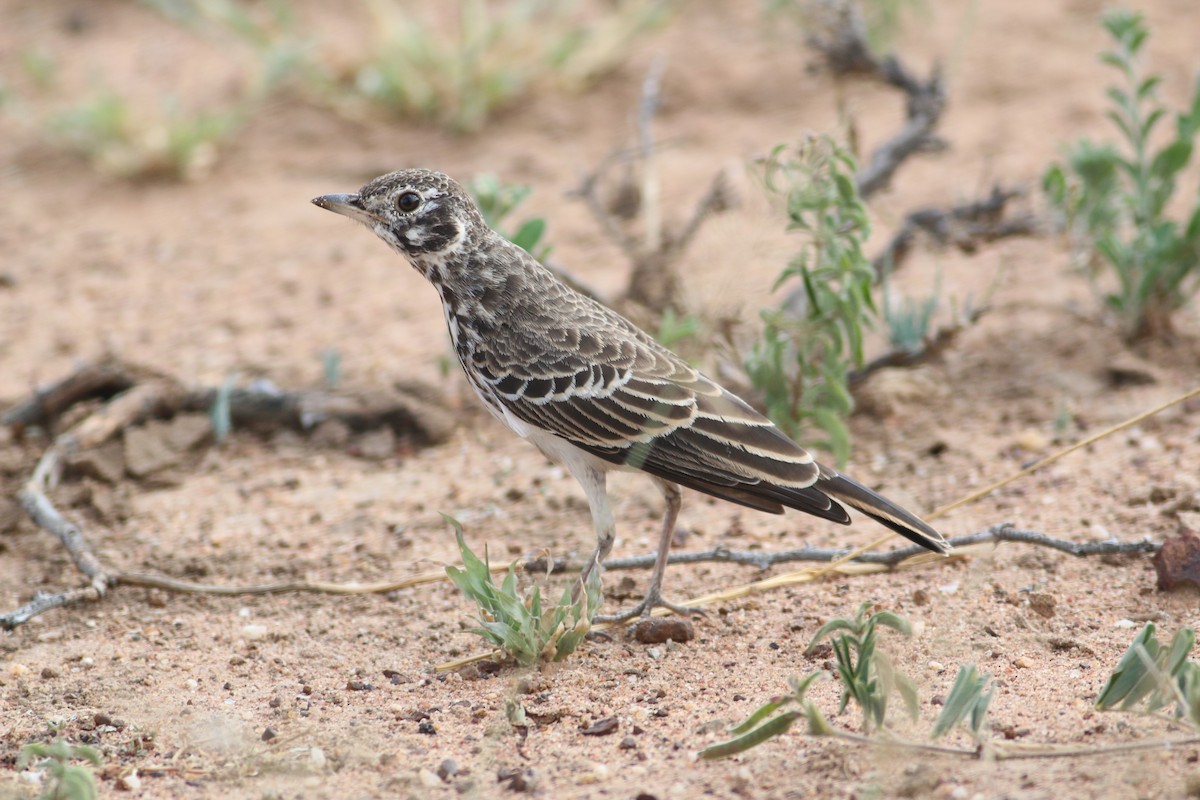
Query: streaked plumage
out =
(587, 386)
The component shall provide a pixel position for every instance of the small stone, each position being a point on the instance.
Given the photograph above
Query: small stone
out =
(376, 445)
(252, 633)
(1022, 662)
(1042, 604)
(104, 463)
(268, 734)
(602, 727)
(428, 779)
(17, 669)
(48, 673)
(656, 630)
(130, 781)
(447, 769)
(187, 431)
(331, 433)
(1032, 440)
(920, 597)
(518, 780)
(426, 727)
(628, 743)
(316, 758)
(146, 449)
(1127, 370)
(357, 685)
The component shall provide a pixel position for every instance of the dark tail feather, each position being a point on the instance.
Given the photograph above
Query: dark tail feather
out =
(883, 511)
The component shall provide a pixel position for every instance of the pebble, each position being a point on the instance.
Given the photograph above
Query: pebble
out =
(252, 633)
(17, 669)
(316, 758)
(428, 779)
(1125, 623)
(1022, 662)
(1032, 440)
(656, 630)
(130, 782)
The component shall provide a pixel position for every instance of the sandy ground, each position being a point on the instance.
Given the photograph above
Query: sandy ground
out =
(236, 272)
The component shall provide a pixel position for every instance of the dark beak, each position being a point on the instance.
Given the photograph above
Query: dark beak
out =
(348, 205)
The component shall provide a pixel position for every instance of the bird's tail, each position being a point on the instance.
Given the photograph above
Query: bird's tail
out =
(883, 511)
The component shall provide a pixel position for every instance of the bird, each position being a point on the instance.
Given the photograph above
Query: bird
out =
(589, 388)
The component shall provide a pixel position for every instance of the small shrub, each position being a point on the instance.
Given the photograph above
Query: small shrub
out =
(520, 626)
(801, 364)
(66, 781)
(1115, 195)
(1156, 675)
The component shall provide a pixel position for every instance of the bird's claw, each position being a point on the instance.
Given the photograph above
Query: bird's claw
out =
(653, 600)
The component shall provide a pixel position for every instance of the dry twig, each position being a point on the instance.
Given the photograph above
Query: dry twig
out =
(654, 251)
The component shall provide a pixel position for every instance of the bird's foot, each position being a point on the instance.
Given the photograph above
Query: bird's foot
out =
(653, 600)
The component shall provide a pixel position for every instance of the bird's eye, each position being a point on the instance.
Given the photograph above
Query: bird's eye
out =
(408, 202)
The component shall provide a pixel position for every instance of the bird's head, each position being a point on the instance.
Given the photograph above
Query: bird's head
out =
(422, 214)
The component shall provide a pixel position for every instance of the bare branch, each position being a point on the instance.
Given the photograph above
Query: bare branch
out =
(931, 348)
(966, 225)
(842, 42)
(1004, 532)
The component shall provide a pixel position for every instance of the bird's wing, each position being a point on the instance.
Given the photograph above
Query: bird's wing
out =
(606, 387)
(615, 393)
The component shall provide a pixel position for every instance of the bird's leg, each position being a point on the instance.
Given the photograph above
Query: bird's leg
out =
(593, 482)
(654, 596)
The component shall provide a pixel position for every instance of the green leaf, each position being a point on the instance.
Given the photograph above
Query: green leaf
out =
(762, 712)
(966, 699)
(1130, 671)
(890, 619)
(529, 234)
(757, 736)
(1171, 159)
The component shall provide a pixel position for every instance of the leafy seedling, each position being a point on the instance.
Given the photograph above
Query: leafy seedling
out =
(770, 720)
(867, 674)
(1156, 675)
(968, 701)
(66, 781)
(1115, 196)
(802, 363)
(519, 626)
(497, 202)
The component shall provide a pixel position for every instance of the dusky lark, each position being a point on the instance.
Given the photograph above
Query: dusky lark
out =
(590, 389)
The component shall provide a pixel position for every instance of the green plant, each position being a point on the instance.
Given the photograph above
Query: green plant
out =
(521, 626)
(673, 328)
(867, 675)
(907, 320)
(67, 781)
(802, 362)
(497, 201)
(221, 410)
(968, 701)
(178, 144)
(770, 720)
(1157, 675)
(496, 53)
(1115, 196)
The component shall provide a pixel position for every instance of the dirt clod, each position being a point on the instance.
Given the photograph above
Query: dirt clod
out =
(1178, 562)
(603, 727)
(656, 630)
(1042, 604)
